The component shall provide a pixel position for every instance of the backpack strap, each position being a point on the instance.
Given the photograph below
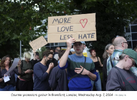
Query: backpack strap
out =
(80, 72)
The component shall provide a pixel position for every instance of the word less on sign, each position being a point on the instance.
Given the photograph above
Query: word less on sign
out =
(81, 27)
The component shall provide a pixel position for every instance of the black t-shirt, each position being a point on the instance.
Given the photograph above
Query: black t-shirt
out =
(97, 65)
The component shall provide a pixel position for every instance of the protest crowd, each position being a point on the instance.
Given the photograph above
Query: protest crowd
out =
(62, 70)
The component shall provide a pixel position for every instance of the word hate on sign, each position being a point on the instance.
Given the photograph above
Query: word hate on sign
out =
(81, 27)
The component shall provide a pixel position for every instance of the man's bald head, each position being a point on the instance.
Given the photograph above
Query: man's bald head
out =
(118, 42)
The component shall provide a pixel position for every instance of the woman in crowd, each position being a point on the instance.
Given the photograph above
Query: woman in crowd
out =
(107, 52)
(120, 78)
(98, 66)
(25, 71)
(4, 67)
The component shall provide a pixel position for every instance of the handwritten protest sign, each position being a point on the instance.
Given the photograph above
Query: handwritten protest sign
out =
(38, 43)
(81, 27)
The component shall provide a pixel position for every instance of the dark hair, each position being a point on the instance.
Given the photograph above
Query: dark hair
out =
(51, 49)
(46, 53)
(56, 49)
(91, 50)
(61, 52)
(135, 48)
(3, 60)
(37, 53)
(122, 56)
(105, 54)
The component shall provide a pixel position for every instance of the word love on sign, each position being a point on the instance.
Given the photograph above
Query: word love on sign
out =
(81, 27)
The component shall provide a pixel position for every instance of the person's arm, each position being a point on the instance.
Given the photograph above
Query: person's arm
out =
(100, 62)
(64, 58)
(51, 65)
(92, 76)
(28, 71)
(39, 73)
(1, 80)
(20, 71)
(19, 66)
(34, 54)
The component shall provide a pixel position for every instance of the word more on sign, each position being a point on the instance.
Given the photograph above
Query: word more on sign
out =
(81, 27)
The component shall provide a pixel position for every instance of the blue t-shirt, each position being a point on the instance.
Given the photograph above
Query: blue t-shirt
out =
(81, 82)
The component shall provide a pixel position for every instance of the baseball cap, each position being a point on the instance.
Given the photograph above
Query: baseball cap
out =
(37, 53)
(83, 42)
(131, 53)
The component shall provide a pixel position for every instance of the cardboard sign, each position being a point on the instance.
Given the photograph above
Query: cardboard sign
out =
(38, 43)
(81, 27)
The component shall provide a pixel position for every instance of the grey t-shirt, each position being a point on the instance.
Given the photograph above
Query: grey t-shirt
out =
(115, 81)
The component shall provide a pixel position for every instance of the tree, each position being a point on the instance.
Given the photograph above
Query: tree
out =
(20, 20)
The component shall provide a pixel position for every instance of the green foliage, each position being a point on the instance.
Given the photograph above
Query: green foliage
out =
(20, 21)
(41, 51)
(19, 18)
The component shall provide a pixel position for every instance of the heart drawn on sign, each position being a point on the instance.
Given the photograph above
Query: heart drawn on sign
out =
(83, 22)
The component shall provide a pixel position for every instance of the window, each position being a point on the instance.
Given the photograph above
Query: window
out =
(56, 44)
(134, 36)
(129, 44)
(134, 28)
(134, 44)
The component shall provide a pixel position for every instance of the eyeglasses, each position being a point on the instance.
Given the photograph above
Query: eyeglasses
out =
(50, 58)
(125, 42)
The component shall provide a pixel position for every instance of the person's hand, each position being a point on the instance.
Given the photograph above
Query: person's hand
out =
(78, 70)
(70, 41)
(34, 51)
(29, 71)
(5, 75)
(51, 65)
(34, 54)
(1, 79)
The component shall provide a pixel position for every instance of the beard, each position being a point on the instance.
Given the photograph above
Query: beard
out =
(79, 52)
(48, 62)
